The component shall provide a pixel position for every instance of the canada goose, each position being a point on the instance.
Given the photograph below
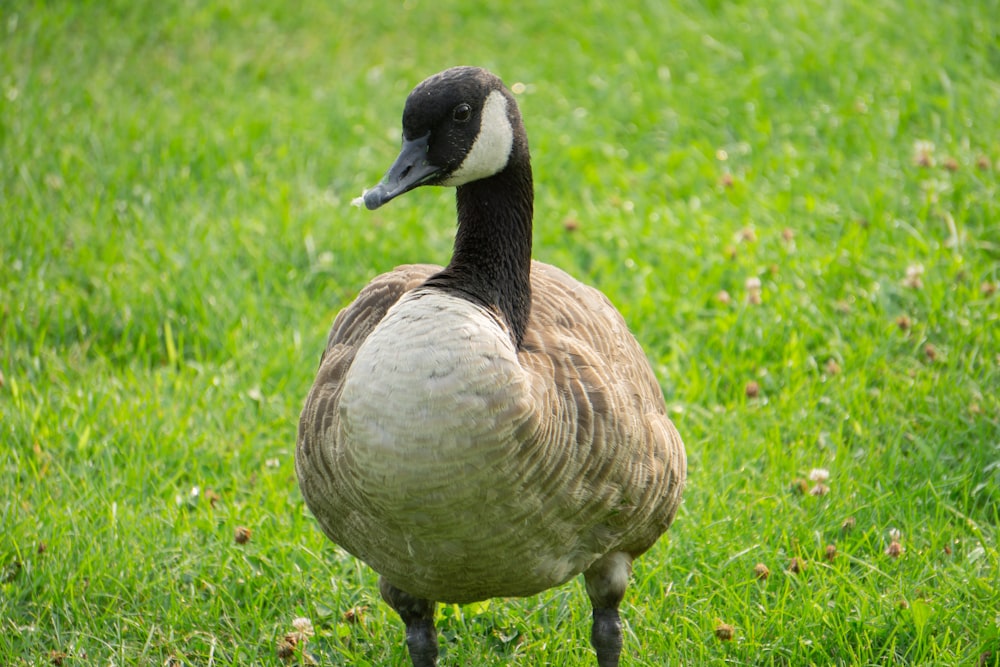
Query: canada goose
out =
(490, 429)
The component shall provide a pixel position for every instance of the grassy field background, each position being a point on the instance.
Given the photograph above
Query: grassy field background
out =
(795, 205)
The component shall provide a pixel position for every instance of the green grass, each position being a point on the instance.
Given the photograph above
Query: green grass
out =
(175, 238)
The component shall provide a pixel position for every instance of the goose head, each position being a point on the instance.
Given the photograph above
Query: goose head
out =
(459, 126)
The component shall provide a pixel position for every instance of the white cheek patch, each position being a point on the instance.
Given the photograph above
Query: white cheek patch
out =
(491, 150)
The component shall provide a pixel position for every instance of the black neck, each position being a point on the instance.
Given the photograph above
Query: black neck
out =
(491, 263)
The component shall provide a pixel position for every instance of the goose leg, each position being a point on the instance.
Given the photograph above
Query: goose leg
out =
(418, 616)
(606, 582)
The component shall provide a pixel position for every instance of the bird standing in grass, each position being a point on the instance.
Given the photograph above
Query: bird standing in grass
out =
(490, 428)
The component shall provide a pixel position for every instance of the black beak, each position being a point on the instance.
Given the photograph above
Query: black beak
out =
(411, 169)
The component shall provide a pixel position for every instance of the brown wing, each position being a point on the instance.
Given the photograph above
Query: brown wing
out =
(606, 440)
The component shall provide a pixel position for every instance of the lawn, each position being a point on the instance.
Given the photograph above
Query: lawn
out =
(796, 207)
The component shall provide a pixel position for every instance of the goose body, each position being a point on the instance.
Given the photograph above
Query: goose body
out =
(491, 428)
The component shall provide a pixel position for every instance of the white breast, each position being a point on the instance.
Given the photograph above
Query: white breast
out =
(437, 440)
(435, 385)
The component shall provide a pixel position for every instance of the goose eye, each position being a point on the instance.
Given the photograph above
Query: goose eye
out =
(462, 113)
